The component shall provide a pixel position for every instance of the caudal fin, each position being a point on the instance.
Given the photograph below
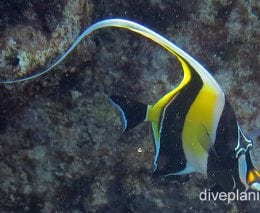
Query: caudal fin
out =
(132, 112)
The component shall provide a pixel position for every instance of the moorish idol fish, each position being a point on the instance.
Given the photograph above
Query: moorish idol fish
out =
(194, 127)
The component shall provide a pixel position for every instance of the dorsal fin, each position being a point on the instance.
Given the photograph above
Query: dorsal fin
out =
(182, 56)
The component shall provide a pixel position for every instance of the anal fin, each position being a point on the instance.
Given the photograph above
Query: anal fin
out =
(132, 112)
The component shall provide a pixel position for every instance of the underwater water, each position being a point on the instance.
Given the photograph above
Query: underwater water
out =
(61, 146)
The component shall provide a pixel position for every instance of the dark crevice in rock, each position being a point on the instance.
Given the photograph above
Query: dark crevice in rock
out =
(72, 195)
(12, 12)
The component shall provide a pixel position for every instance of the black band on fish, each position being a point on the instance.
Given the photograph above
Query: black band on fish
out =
(171, 156)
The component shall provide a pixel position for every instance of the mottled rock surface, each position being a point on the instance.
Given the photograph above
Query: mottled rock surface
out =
(60, 143)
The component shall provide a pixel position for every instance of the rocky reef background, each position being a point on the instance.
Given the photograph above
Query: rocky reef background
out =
(61, 147)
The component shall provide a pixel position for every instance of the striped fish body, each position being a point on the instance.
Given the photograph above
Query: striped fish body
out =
(187, 124)
(191, 135)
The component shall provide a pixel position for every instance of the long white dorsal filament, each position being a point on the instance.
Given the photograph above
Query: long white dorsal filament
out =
(138, 28)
